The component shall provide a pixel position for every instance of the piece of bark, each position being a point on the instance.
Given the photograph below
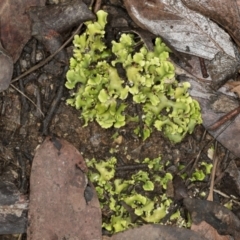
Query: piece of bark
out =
(63, 204)
(13, 209)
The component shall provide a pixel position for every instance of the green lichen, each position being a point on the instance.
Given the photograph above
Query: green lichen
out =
(135, 192)
(201, 172)
(101, 94)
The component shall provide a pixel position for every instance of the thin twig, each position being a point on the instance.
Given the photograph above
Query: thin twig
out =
(230, 115)
(133, 167)
(27, 98)
(55, 103)
(203, 68)
(20, 236)
(226, 196)
(215, 163)
(97, 5)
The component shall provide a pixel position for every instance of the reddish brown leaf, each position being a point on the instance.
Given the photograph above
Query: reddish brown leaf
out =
(15, 25)
(159, 232)
(63, 205)
(207, 231)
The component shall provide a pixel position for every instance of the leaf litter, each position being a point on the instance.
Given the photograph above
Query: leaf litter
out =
(216, 49)
(185, 30)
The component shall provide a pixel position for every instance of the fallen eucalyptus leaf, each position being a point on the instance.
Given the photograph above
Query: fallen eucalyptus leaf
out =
(234, 86)
(207, 231)
(157, 231)
(63, 204)
(186, 30)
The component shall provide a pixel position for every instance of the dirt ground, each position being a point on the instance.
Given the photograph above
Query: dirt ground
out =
(22, 130)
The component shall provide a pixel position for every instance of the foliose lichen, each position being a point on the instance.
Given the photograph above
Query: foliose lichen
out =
(118, 195)
(142, 194)
(101, 94)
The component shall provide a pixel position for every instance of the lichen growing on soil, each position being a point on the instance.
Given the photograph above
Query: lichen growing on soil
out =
(102, 95)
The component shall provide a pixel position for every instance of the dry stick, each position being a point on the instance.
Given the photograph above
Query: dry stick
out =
(131, 167)
(48, 58)
(199, 153)
(224, 119)
(54, 104)
(215, 163)
(27, 98)
(203, 68)
(226, 196)
(97, 5)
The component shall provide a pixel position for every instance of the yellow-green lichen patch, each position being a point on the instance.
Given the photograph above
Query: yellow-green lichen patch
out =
(103, 96)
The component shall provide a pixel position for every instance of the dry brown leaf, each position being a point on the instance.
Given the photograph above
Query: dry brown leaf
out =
(214, 105)
(157, 231)
(207, 231)
(232, 84)
(63, 205)
(185, 30)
